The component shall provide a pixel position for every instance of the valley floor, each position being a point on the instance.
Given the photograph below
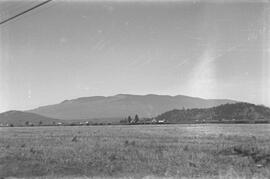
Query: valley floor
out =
(136, 151)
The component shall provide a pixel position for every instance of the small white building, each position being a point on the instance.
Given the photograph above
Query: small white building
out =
(162, 121)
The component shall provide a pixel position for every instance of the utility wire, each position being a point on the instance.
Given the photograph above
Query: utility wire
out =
(16, 7)
(30, 9)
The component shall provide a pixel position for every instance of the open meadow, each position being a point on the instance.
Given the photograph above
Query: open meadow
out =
(136, 151)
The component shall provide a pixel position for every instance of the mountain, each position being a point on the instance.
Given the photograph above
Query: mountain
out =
(226, 112)
(20, 118)
(122, 105)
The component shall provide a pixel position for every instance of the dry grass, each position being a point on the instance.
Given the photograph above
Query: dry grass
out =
(171, 151)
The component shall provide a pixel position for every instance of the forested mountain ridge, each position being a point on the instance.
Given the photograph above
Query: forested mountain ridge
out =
(224, 112)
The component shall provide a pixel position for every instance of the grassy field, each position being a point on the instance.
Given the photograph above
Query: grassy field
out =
(137, 151)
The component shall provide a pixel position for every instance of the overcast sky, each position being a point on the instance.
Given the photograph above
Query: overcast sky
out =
(69, 49)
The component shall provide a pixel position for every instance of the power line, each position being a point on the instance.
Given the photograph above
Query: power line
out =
(15, 7)
(30, 9)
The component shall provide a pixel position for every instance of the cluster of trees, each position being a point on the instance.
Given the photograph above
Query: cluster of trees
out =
(129, 120)
(40, 123)
(27, 123)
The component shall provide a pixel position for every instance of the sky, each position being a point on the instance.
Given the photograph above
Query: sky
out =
(70, 49)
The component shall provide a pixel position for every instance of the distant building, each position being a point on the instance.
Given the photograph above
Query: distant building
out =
(154, 120)
(3, 125)
(162, 121)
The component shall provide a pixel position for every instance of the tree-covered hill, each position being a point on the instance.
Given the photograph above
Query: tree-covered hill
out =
(226, 112)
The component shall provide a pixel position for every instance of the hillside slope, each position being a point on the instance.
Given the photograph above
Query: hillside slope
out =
(19, 118)
(226, 112)
(122, 105)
